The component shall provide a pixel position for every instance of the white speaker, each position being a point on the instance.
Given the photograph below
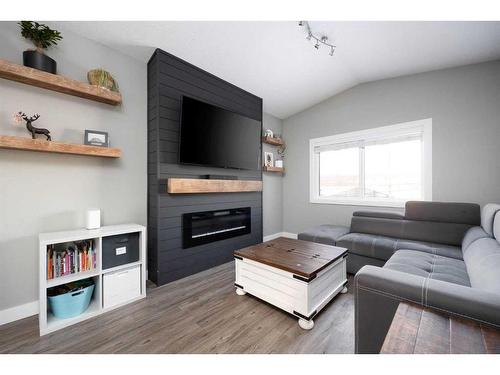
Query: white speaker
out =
(93, 219)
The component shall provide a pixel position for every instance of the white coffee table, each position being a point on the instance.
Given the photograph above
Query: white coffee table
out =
(299, 277)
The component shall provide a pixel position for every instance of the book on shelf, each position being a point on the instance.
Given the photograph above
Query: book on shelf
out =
(72, 258)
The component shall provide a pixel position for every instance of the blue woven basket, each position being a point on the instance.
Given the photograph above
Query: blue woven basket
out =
(71, 304)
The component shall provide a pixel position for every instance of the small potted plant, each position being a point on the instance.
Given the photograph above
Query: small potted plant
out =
(42, 37)
(281, 152)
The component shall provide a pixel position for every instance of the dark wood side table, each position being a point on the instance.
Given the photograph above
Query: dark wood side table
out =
(416, 329)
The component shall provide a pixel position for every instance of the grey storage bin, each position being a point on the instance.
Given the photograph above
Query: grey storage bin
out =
(120, 249)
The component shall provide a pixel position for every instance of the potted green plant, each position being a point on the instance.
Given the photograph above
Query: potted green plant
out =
(42, 37)
(281, 152)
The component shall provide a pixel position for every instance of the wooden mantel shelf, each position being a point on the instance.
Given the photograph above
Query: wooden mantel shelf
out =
(199, 186)
(28, 144)
(54, 82)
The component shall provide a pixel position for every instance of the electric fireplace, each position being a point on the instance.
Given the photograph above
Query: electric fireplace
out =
(204, 227)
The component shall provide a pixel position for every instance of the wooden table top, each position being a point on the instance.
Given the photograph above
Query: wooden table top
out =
(420, 330)
(302, 258)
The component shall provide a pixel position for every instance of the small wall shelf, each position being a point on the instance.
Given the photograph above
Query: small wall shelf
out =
(54, 82)
(272, 141)
(273, 169)
(28, 144)
(198, 186)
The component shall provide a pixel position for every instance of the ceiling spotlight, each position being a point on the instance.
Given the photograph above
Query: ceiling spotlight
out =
(319, 40)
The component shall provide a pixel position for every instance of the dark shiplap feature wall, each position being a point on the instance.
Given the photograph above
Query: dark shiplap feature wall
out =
(168, 79)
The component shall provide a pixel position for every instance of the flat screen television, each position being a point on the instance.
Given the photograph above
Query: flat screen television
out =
(215, 137)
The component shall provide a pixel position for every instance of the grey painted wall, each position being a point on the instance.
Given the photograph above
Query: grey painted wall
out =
(272, 184)
(464, 104)
(49, 192)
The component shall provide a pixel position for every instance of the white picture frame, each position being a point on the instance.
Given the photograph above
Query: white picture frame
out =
(268, 159)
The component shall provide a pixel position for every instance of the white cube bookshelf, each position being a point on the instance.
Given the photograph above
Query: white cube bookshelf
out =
(48, 322)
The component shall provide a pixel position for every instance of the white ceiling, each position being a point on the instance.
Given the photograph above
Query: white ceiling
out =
(274, 60)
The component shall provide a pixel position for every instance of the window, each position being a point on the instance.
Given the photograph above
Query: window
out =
(385, 166)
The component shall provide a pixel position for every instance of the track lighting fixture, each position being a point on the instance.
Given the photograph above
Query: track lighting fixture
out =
(318, 40)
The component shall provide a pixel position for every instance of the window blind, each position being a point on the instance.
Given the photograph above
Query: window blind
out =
(369, 142)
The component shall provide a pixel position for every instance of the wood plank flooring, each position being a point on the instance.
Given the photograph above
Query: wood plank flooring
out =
(197, 314)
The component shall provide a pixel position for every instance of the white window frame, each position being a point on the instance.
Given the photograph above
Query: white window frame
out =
(424, 126)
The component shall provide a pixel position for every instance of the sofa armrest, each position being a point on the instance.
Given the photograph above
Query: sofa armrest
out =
(378, 292)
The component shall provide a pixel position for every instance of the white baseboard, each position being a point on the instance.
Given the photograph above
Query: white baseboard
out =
(280, 234)
(289, 235)
(18, 312)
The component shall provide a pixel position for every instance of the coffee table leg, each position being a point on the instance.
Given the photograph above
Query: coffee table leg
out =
(240, 292)
(344, 291)
(306, 324)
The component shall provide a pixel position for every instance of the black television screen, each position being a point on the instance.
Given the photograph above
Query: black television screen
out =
(213, 136)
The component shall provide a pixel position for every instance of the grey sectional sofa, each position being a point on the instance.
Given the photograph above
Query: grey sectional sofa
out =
(431, 227)
(442, 255)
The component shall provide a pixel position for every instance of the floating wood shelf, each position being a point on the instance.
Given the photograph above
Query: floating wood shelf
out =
(197, 186)
(28, 144)
(272, 141)
(54, 82)
(273, 169)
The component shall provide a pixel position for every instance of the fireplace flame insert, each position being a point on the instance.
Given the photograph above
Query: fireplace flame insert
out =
(209, 226)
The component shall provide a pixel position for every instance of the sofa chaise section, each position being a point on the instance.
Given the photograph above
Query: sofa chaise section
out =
(325, 234)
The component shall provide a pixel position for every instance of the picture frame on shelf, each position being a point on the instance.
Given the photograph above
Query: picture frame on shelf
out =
(96, 138)
(268, 159)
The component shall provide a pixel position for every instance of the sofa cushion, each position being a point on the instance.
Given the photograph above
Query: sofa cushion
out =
(368, 245)
(429, 266)
(496, 227)
(488, 216)
(473, 234)
(325, 234)
(431, 248)
(444, 212)
(482, 259)
(428, 231)
(383, 247)
(377, 225)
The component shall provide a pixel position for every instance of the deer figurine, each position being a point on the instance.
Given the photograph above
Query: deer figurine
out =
(32, 129)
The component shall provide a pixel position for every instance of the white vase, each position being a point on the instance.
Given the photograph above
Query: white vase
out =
(278, 163)
(93, 218)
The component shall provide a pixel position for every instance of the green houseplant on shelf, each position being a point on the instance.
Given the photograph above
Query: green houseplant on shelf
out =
(42, 37)
(281, 152)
